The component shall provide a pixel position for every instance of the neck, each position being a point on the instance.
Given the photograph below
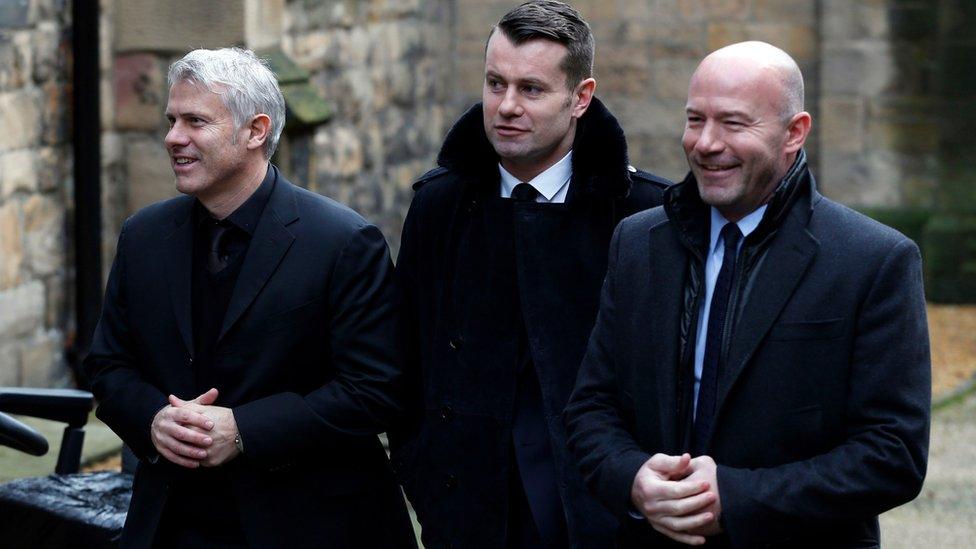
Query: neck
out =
(222, 205)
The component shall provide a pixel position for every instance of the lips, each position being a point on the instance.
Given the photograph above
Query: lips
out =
(510, 131)
(183, 162)
(715, 168)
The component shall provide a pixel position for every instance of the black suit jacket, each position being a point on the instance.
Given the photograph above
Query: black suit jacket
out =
(305, 359)
(823, 406)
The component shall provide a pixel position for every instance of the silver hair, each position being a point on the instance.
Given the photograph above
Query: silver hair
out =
(244, 82)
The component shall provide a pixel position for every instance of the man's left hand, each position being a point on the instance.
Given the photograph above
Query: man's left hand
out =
(223, 433)
(703, 469)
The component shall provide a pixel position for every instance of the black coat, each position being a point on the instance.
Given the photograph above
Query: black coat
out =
(306, 359)
(453, 457)
(822, 415)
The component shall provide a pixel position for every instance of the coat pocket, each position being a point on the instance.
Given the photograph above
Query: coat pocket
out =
(831, 328)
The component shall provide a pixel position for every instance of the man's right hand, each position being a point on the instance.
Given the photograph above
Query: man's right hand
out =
(174, 438)
(672, 505)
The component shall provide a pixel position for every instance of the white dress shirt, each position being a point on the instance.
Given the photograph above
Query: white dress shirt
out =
(713, 264)
(552, 184)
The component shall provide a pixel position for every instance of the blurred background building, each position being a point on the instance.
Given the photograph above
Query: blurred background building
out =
(373, 85)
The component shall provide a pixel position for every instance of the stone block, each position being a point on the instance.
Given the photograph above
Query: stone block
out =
(714, 10)
(912, 138)
(18, 171)
(796, 12)
(55, 113)
(800, 41)
(47, 52)
(21, 310)
(44, 235)
(9, 364)
(14, 14)
(177, 26)
(263, 23)
(140, 92)
(859, 179)
(11, 246)
(847, 20)
(42, 361)
(842, 123)
(339, 152)
(669, 78)
(52, 165)
(58, 310)
(13, 70)
(865, 69)
(150, 176)
(20, 109)
(680, 40)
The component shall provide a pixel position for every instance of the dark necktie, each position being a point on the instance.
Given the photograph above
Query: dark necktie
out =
(523, 192)
(217, 256)
(707, 389)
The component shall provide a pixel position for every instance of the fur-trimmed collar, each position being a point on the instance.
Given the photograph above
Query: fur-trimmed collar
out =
(600, 162)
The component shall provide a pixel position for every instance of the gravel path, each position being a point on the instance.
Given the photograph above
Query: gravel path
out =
(944, 514)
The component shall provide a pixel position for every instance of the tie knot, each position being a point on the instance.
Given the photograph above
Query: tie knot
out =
(732, 235)
(523, 192)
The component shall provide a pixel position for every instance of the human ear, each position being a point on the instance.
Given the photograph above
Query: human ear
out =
(583, 95)
(797, 130)
(259, 130)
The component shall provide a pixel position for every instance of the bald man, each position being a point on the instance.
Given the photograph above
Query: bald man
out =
(764, 381)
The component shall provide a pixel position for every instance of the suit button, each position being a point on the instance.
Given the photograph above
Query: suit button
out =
(447, 413)
(451, 481)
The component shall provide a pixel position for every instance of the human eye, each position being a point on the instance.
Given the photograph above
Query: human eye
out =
(493, 83)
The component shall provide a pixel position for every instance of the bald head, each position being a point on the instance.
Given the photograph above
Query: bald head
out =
(775, 67)
(745, 125)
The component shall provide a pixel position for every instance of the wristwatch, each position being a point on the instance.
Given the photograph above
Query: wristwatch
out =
(239, 443)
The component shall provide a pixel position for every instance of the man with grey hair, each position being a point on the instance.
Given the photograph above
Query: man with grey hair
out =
(758, 375)
(245, 349)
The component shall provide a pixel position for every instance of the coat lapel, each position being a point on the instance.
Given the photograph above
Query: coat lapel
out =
(788, 258)
(660, 350)
(178, 255)
(268, 246)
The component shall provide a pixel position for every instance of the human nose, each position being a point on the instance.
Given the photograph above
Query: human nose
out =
(510, 106)
(175, 136)
(709, 139)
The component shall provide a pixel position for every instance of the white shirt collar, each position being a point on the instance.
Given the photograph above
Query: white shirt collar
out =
(548, 183)
(746, 225)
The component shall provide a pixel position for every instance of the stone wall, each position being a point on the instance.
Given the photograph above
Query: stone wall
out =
(879, 99)
(384, 66)
(35, 191)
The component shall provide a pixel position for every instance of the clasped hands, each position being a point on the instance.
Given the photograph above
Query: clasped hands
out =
(195, 433)
(679, 496)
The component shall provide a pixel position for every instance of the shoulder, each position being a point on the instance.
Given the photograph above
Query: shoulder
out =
(647, 189)
(643, 221)
(834, 222)
(641, 177)
(158, 219)
(324, 216)
(436, 188)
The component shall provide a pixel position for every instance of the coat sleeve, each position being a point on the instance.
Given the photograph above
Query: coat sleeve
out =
(126, 402)
(363, 398)
(881, 461)
(598, 418)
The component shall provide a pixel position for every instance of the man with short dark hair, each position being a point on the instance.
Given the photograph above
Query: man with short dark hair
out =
(501, 260)
(758, 375)
(246, 347)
